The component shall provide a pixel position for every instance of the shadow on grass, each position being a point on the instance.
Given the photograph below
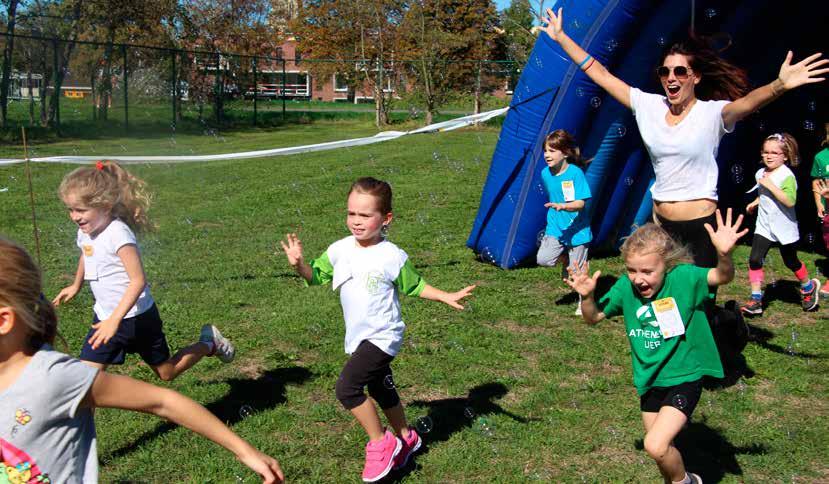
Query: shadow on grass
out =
(762, 336)
(451, 415)
(707, 453)
(245, 398)
(784, 291)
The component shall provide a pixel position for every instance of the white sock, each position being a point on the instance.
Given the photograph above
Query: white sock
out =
(211, 347)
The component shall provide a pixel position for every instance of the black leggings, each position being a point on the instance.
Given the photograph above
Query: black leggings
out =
(368, 366)
(760, 247)
(692, 233)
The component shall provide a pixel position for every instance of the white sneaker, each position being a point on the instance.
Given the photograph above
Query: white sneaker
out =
(578, 310)
(222, 347)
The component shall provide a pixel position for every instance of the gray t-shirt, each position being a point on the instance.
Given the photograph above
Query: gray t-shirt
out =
(42, 429)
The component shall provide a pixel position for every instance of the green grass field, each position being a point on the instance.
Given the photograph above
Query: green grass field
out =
(515, 387)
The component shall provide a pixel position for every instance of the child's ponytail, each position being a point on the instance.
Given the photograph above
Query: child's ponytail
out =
(108, 185)
(21, 288)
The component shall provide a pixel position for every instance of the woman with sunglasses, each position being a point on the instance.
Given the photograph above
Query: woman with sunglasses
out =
(704, 98)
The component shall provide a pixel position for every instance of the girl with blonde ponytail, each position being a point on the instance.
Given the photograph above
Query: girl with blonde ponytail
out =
(109, 205)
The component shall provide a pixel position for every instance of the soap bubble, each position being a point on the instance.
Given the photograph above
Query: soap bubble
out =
(811, 105)
(539, 238)
(595, 102)
(245, 411)
(469, 413)
(388, 382)
(435, 155)
(628, 181)
(611, 45)
(580, 91)
(737, 173)
(424, 424)
(809, 125)
(679, 401)
(621, 130)
(710, 13)
(661, 41)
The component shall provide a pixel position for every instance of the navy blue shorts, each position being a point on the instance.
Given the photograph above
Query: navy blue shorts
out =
(140, 334)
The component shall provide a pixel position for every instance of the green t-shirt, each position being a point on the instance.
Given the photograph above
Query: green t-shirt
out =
(659, 362)
(820, 168)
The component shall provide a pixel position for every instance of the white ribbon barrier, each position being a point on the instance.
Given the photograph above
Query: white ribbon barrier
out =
(377, 138)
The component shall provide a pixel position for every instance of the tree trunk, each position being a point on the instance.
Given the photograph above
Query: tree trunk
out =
(106, 79)
(63, 54)
(7, 62)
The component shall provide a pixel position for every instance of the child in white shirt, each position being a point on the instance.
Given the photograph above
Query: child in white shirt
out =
(369, 271)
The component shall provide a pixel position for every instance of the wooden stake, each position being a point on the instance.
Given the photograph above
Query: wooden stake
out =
(31, 193)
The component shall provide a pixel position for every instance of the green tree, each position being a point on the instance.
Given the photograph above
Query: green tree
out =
(447, 40)
(517, 21)
(347, 30)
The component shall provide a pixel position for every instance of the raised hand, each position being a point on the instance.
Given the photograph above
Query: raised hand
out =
(727, 234)
(581, 281)
(552, 24)
(822, 187)
(293, 249)
(803, 72)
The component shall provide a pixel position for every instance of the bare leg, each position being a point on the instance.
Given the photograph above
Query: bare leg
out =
(659, 441)
(366, 415)
(181, 361)
(397, 419)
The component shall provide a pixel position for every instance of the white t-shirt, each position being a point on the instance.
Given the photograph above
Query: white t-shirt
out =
(368, 279)
(775, 221)
(684, 156)
(45, 432)
(105, 271)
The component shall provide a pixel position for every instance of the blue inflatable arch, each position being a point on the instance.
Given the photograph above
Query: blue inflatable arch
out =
(628, 37)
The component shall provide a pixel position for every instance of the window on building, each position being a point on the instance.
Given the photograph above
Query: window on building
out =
(339, 84)
(279, 53)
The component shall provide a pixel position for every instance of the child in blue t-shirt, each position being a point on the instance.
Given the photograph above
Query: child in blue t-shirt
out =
(567, 190)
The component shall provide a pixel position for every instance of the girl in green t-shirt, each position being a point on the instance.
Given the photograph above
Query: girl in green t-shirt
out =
(662, 301)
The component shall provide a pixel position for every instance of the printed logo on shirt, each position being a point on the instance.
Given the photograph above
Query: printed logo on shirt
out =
(17, 467)
(88, 250)
(373, 282)
(22, 416)
(650, 339)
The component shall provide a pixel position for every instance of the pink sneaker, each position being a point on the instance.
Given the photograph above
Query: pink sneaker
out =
(410, 445)
(380, 457)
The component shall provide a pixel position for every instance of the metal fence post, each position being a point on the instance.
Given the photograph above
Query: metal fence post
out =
(217, 102)
(255, 90)
(283, 90)
(175, 86)
(126, 86)
(56, 84)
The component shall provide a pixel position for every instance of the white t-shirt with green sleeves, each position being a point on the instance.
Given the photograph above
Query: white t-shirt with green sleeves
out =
(369, 279)
(775, 221)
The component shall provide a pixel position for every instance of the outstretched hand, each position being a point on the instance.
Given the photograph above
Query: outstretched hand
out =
(803, 72)
(552, 24)
(581, 281)
(293, 249)
(452, 298)
(727, 234)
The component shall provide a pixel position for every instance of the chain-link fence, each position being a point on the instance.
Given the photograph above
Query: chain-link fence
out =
(73, 86)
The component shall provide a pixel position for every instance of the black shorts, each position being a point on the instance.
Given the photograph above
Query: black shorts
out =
(140, 334)
(683, 397)
(369, 366)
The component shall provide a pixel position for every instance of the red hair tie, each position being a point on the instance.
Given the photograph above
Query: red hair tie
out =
(99, 165)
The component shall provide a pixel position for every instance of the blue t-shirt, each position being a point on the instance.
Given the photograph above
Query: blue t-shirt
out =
(570, 228)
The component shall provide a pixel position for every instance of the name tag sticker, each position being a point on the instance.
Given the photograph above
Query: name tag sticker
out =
(569, 190)
(668, 317)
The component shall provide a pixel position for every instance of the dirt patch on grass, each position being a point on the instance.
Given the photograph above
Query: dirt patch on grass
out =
(516, 327)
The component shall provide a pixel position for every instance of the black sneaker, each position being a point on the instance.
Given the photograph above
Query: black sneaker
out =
(810, 299)
(753, 307)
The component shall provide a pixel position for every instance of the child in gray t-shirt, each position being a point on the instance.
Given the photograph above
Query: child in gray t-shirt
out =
(51, 395)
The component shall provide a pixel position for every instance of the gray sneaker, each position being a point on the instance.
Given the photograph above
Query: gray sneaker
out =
(695, 479)
(222, 347)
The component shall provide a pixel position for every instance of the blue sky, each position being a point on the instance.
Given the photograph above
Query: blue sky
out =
(502, 4)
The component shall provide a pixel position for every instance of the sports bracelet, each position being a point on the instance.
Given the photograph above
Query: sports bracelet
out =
(585, 60)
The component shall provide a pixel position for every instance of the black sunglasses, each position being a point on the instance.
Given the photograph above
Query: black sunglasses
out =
(680, 72)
